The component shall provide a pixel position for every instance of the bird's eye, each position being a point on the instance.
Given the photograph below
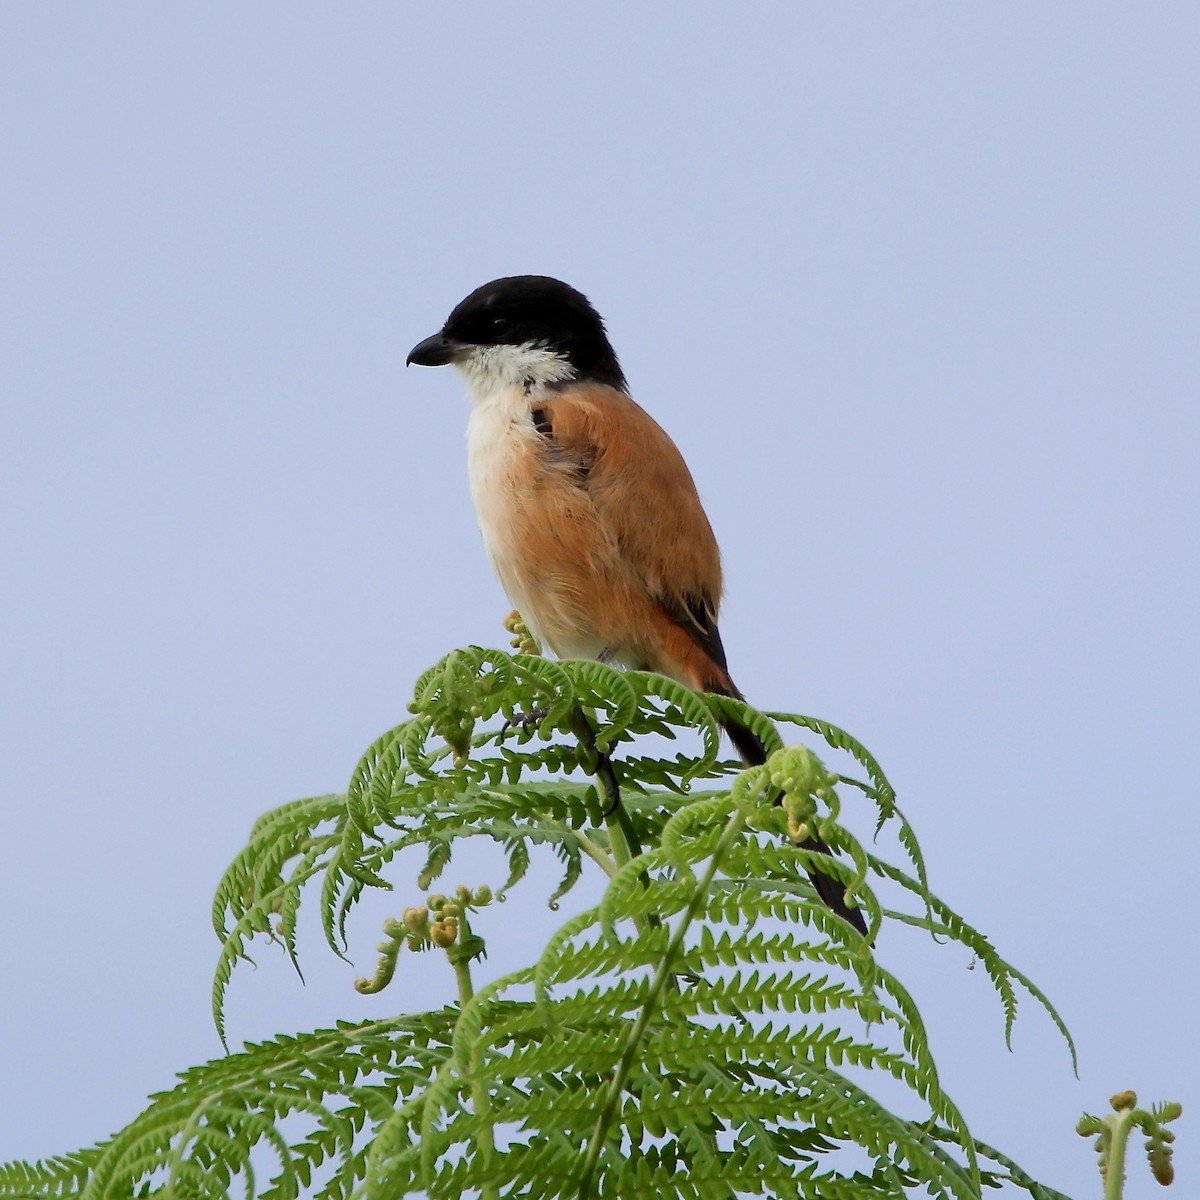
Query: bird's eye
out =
(501, 324)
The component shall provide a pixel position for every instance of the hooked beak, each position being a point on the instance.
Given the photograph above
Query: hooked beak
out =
(434, 351)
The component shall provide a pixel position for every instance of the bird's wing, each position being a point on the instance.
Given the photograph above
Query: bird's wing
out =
(643, 494)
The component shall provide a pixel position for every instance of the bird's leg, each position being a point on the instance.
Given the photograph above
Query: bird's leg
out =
(624, 839)
(622, 836)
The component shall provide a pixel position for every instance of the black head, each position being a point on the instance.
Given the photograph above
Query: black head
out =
(526, 311)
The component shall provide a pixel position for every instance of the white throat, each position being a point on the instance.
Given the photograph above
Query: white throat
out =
(487, 370)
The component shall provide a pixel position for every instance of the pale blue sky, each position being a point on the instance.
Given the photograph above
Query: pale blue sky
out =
(915, 289)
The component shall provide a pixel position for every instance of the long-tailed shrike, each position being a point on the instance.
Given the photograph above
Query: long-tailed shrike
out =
(588, 511)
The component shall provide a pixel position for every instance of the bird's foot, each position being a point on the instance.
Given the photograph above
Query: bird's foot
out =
(524, 720)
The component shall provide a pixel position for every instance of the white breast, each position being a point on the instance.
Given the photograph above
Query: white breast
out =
(500, 438)
(499, 428)
(503, 450)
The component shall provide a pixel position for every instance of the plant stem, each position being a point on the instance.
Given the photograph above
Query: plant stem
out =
(460, 960)
(622, 837)
(462, 973)
(661, 981)
(596, 853)
(1118, 1137)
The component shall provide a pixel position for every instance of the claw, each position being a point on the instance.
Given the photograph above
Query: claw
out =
(535, 716)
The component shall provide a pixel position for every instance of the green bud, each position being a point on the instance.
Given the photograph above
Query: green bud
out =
(443, 934)
(416, 920)
(798, 831)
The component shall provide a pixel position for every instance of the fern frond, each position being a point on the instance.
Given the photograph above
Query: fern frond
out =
(946, 922)
(709, 1028)
(64, 1176)
(333, 1086)
(839, 739)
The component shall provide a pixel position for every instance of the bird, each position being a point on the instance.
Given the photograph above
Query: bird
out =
(589, 514)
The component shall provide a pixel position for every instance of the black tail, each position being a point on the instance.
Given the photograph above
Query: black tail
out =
(753, 753)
